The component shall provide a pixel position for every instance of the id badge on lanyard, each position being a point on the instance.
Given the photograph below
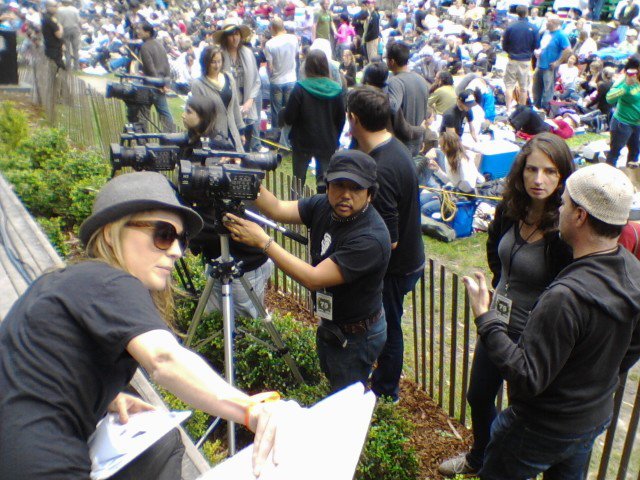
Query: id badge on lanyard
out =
(503, 307)
(324, 305)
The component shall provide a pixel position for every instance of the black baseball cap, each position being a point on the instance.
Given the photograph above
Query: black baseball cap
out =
(468, 98)
(352, 165)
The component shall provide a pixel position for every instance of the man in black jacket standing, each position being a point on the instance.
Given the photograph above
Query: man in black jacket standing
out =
(368, 113)
(582, 334)
(155, 63)
(519, 41)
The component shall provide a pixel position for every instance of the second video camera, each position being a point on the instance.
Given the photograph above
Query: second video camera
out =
(135, 89)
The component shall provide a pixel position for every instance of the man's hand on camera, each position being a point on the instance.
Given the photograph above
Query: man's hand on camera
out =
(125, 405)
(245, 231)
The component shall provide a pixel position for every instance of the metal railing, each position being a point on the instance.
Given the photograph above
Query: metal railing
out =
(440, 337)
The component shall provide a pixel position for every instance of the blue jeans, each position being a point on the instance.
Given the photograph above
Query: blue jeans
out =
(386, 377)
(353, 363)
(623, 134)
(595, 7)
(520, 451)
(543, 83)
(162, 107)
(279, 96)
(429, 203)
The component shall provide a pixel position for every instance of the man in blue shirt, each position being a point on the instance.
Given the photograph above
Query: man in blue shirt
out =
(554, 50)
(519, 41)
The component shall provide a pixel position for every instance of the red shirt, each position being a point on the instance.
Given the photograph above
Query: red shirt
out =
(630, 238)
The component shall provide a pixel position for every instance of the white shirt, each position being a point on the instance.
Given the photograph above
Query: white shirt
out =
(568, 75)
(281, 53)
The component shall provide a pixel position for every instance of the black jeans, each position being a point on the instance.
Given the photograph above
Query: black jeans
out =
(162, 461)
(484, 385)
(301, 164)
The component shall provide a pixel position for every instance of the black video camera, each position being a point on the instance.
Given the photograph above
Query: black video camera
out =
(204, 178)
(135, 90)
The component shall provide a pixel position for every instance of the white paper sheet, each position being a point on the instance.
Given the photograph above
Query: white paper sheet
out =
(114, 445)
(319, 443)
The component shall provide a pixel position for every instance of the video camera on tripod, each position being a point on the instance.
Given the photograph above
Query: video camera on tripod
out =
(136, 91)
(205, 178)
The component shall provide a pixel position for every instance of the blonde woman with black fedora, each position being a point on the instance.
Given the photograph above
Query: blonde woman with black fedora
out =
(240, 62)
(71, 344)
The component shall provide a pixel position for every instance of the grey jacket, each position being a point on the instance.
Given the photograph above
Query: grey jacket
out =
(251, 84)
(228, 121)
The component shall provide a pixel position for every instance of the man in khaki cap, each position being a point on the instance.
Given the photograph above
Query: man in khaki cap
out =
(582, 334)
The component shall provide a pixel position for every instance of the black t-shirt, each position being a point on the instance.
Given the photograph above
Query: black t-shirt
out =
(52, 44)
(359, 246)
(454, 118)
(419, 16)
(225, 93)
(398, 204)
(63, 359)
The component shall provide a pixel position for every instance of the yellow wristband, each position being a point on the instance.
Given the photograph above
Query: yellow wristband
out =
(257, 399)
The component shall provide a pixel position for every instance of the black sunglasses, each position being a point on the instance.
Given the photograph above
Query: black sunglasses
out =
(164, 234)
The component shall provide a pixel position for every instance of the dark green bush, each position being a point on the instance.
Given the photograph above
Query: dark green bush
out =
(387, 453)
(54, 180)
(53, 228)
(196, 425)
(257, 365)
(45, 145)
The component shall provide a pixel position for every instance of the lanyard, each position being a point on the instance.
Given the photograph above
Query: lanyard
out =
(512, 255)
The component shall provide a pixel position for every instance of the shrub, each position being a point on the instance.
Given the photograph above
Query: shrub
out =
(14, 127)
(54, 180)
(196, 425)
(387, 454)
(258, 365)
(44, 145)
(53, 228)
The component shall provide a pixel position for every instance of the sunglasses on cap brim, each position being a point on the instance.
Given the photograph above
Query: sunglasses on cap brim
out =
(164, 234)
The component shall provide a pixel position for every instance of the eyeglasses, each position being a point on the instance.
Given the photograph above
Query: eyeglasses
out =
(164, 234)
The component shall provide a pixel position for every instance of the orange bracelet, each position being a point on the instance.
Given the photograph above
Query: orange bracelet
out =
(257, 399)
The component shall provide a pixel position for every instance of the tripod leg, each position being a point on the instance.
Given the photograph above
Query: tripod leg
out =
(197, 315)
(275, 336)
(229, 327)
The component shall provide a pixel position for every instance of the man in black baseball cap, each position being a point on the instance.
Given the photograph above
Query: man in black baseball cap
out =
(350, 248)
(453, 119)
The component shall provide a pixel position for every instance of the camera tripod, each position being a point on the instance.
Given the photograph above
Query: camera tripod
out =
(225, 269)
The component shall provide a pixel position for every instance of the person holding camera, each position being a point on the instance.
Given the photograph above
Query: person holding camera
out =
(52, 33)
(155, 63)
(199, 119)
(350, 250)
(71, 344)
(625, 124)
